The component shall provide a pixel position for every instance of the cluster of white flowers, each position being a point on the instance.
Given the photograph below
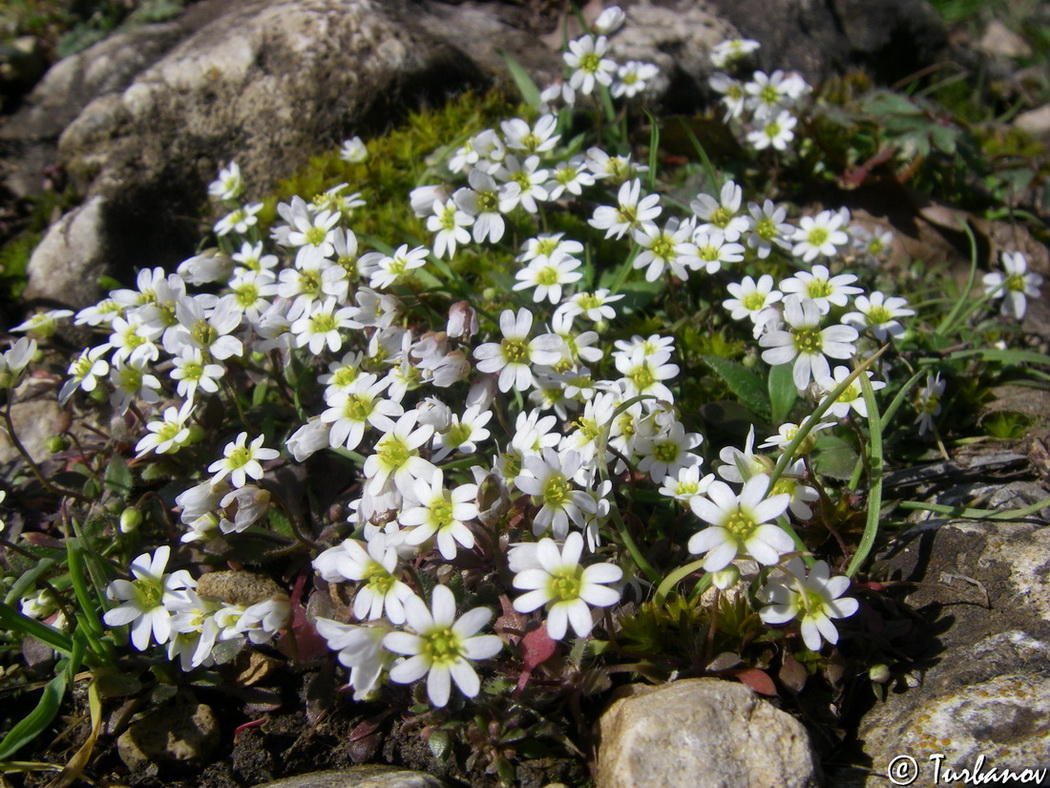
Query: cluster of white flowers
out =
(519, 413)
(589, 65)
(766, 107)
(164, 608)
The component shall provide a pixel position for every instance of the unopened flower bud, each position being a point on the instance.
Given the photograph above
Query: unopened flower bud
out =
(610, 20)
(130, 520)
(57, 443)
(462, 320)
(725, 578)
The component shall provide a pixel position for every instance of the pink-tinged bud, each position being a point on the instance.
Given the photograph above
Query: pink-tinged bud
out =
(462, 320)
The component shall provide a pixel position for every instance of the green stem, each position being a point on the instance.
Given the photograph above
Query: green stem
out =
(674, 578)
(811, 421)
(975, 514)
(871, 525)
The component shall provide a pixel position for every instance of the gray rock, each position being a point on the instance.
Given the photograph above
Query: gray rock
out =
(35, 420)
(981, 687)
(72, 256)
(890, 38)
(999, 40)
(179, 733)
(360, 777)
(1035, 121)
(238, 587)
(702, 732)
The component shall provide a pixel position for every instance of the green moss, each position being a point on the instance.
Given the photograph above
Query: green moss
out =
(400, 160)
(14, 259)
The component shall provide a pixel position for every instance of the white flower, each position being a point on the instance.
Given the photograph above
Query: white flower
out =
(632, 78)
(441, 646)
(396, 459)
(740, 524)
(630, 213)
(816, 596)
(463, 434)
(441, 514)
(482, 202)
(851, 398)
(721, 214)
(538, 138)
(819, 235)
(549, 479)
(586, 56)
(767, 228)
(353, 151)
(84, 372)
(246, 505)
(570, 589)
(686, 484)
(879, 313)
(190, 371)
(713, 250)
(241, 460)
(928, 402)
(238, 220)
(726, 52)
(392, 269)
(775, 133)
(375, 565)
(821, 287)
(513, 356)
(318, 324)
(169, 434)
(767, 93)
(644, 374)
(353, 408)
(43, 324)
(229, 185)
(667, 451)
(548, 275)
(193, 629)
(449, 225)
(361, 649)
(593, 306)
(805, 343)
(671, 248)
(146, 598)
(753, 299)
(1014, 285)
(733, 95)
(569, 176)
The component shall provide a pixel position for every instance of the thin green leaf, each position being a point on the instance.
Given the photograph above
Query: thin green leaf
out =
(16, 621)
(782, 392)
(654, 146)
(37, 721)
(28, 580)
(1003, 356)
(87, 601)
(744, 383)
(712, 173)
(530, 93)
(871, 525)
